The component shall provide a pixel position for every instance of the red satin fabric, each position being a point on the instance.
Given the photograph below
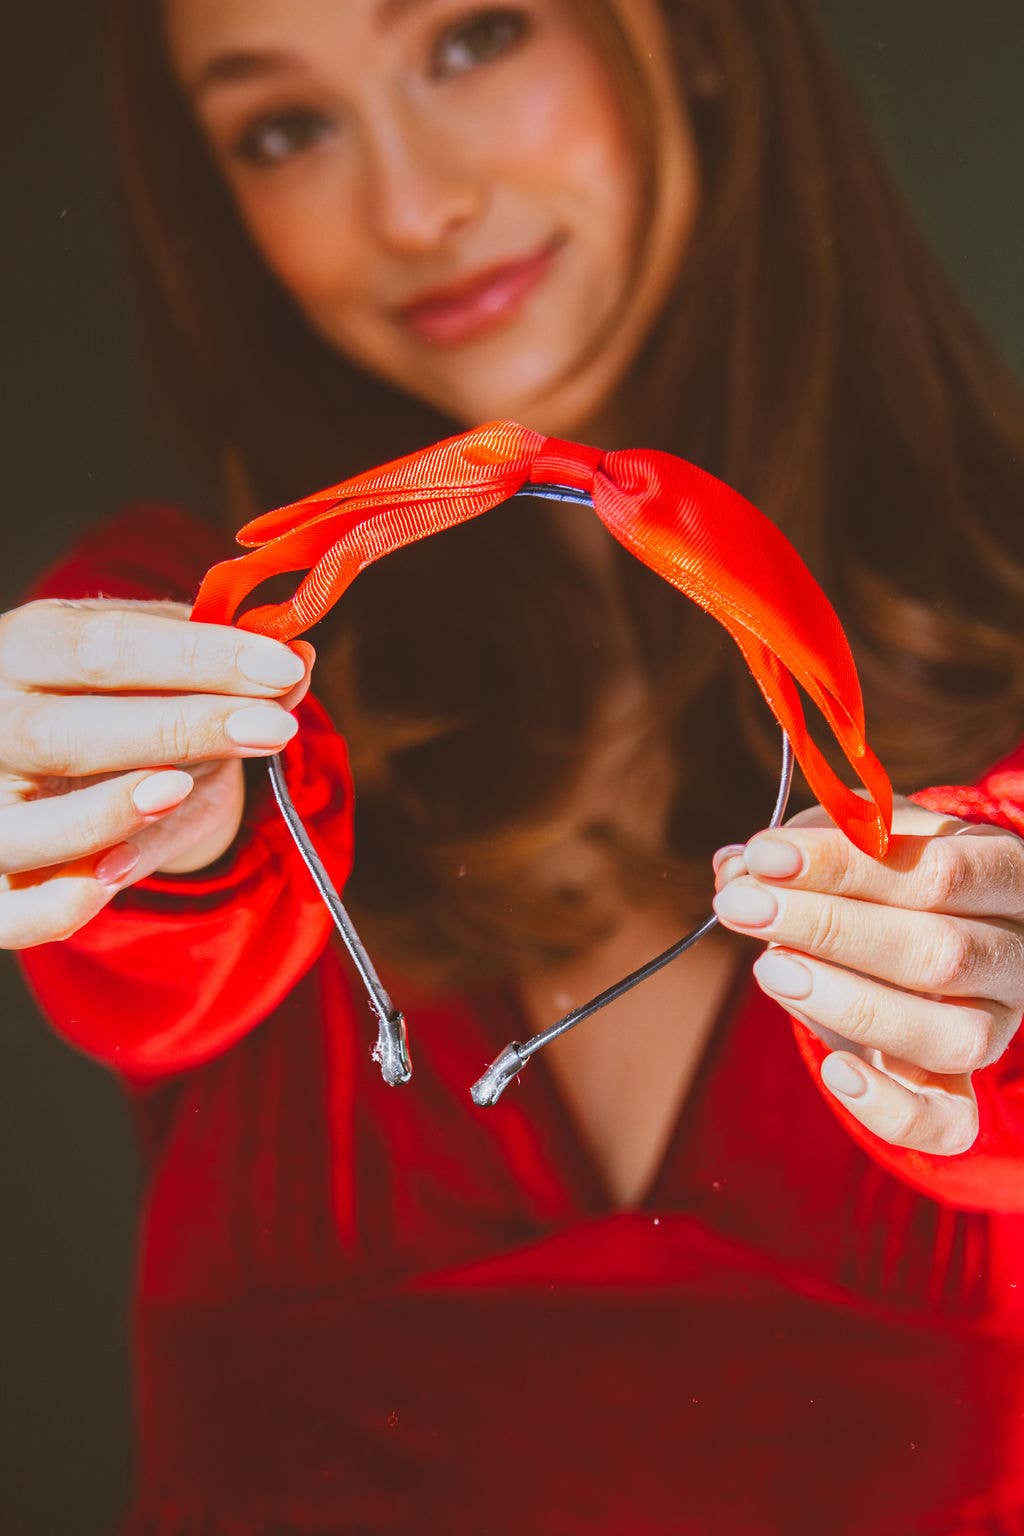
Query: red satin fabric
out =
(693, 530)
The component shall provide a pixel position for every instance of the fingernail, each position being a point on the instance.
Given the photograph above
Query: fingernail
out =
(117, 864)
(260, 725)
(272, 665)
(775, 857)
(162, 791)
(843, 1078)
(783, 975)
(728, 852)
(747, 905)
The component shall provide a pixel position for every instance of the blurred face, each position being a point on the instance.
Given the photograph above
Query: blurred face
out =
(450, 191)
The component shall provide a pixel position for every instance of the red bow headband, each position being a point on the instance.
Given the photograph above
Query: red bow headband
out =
(694, 531)
(690, 528)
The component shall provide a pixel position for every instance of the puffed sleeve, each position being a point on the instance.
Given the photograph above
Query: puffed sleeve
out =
(177, 968)
(990, 1176)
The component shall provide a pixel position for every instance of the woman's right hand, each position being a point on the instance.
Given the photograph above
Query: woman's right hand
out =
(122, 733)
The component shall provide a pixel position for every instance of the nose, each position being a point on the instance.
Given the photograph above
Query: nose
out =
(420, 188)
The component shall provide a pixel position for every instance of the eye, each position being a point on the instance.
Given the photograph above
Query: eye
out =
(478, 39)
(278, 136)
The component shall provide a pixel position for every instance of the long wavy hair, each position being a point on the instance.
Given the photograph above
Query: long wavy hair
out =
(811, 354)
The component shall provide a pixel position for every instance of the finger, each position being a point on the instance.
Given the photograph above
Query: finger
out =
(211, 828)
(942, 1036)
(965, 875)
(730, 868)
(730, 851)
(41, 833)
(925, 951)
(75, 646)
(185, 841)
(72, 737)
(51, 906)
(912, 1108)
(45, 905)
(781, 862)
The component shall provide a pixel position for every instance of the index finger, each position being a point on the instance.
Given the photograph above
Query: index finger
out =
(109, 648)
(960, 870)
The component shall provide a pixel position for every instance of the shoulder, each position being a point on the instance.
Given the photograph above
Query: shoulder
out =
(147, 549)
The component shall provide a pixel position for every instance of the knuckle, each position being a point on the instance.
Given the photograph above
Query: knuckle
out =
(942, 1127)
(952, 959)
(44, 737)
(943, 873)
(1014, 865)
(1006, 865)
(1011, 960)
(903, 1123)
(837, 863)
(100, 643)
(177, 735)
(824, 928)
(97, 825)
(859, 1018)
(970, 1047)
(184, 730)
(189, 643)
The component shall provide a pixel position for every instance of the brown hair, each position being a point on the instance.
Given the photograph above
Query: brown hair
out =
(811, 355)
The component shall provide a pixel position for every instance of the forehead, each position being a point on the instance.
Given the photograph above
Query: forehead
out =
(197, 30)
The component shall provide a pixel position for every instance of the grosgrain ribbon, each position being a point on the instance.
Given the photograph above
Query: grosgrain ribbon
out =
(704, 538)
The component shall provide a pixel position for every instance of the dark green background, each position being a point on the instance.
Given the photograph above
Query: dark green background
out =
(942, 83)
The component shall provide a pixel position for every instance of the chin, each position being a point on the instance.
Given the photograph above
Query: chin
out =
(545, 395)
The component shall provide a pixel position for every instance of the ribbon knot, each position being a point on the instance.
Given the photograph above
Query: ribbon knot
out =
(559, 462)
(697, 533)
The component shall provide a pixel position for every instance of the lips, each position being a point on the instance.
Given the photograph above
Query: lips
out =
(481, 303)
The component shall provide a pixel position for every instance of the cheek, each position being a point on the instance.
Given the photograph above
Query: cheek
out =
(305, 240)
(570, 146)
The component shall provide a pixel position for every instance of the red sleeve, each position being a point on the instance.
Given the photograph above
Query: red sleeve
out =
(177, 968)
(990, 1176)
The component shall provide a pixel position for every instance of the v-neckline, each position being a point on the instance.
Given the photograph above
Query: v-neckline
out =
(584, 1177)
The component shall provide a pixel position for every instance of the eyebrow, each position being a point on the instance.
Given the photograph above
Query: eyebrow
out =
(239, 65)
(390, 11)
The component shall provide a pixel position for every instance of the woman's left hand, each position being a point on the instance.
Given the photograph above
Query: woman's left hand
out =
(911, 969)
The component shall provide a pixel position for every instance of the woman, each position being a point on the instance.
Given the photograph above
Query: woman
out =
(669, 1288)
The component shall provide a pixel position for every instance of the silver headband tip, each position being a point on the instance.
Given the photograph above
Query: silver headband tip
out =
(504, 1069)
(391, 1052)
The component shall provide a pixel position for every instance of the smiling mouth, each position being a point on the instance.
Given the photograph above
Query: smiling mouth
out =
(463, 311)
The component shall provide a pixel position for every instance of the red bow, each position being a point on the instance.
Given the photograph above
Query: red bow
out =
(696, 532)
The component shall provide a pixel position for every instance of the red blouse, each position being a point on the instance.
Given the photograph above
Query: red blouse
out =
(363, 1309)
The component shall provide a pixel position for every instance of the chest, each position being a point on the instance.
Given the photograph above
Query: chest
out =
(626, 1074)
